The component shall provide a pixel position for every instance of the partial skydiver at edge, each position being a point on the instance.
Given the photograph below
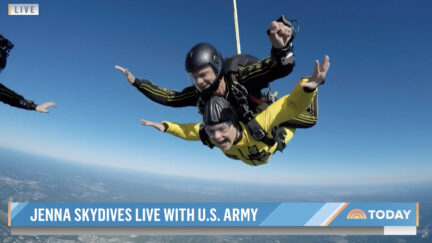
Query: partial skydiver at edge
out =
(10, 97)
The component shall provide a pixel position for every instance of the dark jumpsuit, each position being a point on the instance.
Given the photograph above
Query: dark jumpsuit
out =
(6, 95)
(11, 98)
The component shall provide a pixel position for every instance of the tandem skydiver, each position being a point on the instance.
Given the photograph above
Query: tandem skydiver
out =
(10, 97)
(239, 79)
(228, 133)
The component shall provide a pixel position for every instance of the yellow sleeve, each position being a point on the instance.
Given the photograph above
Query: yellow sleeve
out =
(286, 108)
(189, 131)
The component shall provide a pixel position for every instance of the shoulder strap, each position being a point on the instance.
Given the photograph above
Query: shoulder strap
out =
(239, 93)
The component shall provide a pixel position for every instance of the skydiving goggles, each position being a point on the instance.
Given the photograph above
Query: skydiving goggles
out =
(223, 127)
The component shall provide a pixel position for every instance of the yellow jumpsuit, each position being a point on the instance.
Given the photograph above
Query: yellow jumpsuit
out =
(247, 149)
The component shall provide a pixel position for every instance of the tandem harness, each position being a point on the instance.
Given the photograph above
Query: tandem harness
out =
(240, 101)
(240, 94)
(245, 115)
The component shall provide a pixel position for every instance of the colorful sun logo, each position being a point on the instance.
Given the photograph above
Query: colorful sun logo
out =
(356, 214)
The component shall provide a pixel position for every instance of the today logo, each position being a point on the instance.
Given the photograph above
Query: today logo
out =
(379, 214)
(389, 214)
(356, 214)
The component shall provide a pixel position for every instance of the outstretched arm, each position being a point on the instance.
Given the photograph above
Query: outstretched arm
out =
(292, 105)
(13, 99)
(157, 125)
(163, 96)
(188, 131)
(280, 63)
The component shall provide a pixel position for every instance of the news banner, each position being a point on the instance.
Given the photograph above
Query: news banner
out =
(284, 218)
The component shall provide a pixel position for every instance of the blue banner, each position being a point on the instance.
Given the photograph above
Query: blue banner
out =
(213, 214)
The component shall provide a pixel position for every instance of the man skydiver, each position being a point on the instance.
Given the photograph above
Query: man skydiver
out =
(222, 125)
(10, 97)
(238, 79)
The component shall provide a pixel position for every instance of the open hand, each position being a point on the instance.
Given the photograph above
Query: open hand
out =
(158, 126)
(126, 72)
(43, 108)
(319, 74)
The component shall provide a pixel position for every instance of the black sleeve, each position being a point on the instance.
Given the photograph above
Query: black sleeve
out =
(163, 96)
(257, 76)
(13, 99)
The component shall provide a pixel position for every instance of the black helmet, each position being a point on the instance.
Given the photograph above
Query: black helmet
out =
(201, 55)
(5, 47)
(218, 110)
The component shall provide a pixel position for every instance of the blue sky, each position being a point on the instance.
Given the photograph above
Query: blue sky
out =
(373, 125)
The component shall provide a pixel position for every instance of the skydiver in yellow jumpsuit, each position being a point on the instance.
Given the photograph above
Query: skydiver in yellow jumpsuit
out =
(229, 134)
